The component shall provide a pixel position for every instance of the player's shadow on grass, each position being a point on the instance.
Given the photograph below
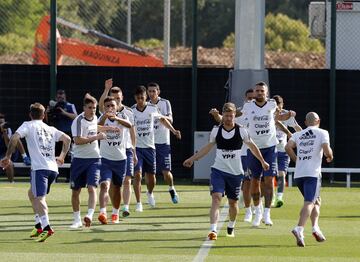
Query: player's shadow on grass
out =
(98, 230)
(166, 223)
(182, 207)
(340, 217)
(32, 213)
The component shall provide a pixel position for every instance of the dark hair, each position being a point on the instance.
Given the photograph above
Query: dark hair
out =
(109, 99)
(140, 90)
(37, 111)
(60, 92)
(153, 84)
(261, 83)
(278, 99)
(2, 115)
(88, 99)
(115, 90)
(249, 91)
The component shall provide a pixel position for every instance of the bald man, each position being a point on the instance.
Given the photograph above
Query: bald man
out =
(311, 144)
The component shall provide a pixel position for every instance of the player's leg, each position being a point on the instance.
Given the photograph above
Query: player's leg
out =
(127, 182)
(232, 190)
(247, 199)
(150, 171)
(315, 213)
(92, 181)
(118, 169)
(105, 179)
(283, 164)
(37, 230)
(150, 180)
(137, 180)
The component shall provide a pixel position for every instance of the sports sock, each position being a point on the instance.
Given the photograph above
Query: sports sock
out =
(126, 207)
(37, 219)
(77, 217)
(103, 210)
(24, 155)
(300, 229)
(44, 220)
(172, 188)
(90, 213)
(281, 184)
(213, 227)
(231, 224)
(279, 195)
(266, 211)
(115, 211)
(248, 209)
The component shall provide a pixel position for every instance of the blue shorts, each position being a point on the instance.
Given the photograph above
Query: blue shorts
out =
(129, 162)
(225, 183)
(163, 157)
(41, 181)
(309, 187)
(146, 160)
(111, 170)
(283, 161)
(269, 154)
(244, 163)
(84, 172)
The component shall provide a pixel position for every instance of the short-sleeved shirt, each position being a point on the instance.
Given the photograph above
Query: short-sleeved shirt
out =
(144, 125)
(40, 139)
(83, 127)
(242, 121)
(229, 161)
(162, 134)
(114, 146)
(130, 115)
(282, 136)
(261, 121)
(309, 151)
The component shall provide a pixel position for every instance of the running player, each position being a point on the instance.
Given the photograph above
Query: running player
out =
(113, 154)
(227, 171)
(311, 143)
(282, 158)
(144, 118)
(162, 138)
(40, 139)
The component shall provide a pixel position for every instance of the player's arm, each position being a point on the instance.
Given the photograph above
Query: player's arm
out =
(169, 126)
(108, 86)
(327, 152)
(256, 152)
(216, 115)
(5, 135)
(289, 148)
(72, 116)
(133, 143)
(14, 140)
(80, 140)
(123, 122)
(201, 153)
(65, 148)
(284, 117)
(283, 128)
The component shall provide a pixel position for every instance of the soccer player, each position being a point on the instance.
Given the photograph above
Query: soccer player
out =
(85, 166)
(282, 158)
(227, 171)
(113, 154)
(311, 143)
(40, 139)
(162, 138)
(261, 118)
(131, 158)
(144, 118)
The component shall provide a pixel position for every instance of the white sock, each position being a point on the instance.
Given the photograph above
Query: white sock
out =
(213, 227)
(90, 213)
(115, 211)
(316, 228)
(103, 210)
(126, 207)
(280, 195)
(300, 229)
(266, 211)
(248, 209)
(231, 224)
(44, 220)
(24, 155)
(77, 217)
(171, 188)
(258, 208)
(37, 219)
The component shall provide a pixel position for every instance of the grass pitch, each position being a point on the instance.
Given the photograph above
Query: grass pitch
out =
(176, 232)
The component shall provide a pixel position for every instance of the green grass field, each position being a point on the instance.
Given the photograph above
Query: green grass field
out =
(176, 232)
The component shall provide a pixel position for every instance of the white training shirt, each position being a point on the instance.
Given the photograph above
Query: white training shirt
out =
(114, 146)
(144, 125)
(130, 115)
(83, 127)
(40, 139)
(242, 121)
(309, 151)
(231, 164)
(280, 135)
(261, 121)
(162, 134)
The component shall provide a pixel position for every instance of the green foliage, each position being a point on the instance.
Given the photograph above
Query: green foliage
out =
(12, 43)
(284, 34)
(149, 43)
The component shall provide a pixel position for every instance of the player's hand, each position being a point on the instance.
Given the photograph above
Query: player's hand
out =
(110, 115)
(214, 112)
(59, 161)
(177, 133)
(108, 84)
(188, 163)
(5, 163)
(101, 136)
(265, 166)
(329, 159)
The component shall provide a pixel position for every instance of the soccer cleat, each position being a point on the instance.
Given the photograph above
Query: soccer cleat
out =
(27, 161)
(139, 207)
(212, 235)
(115, 219)
(279, 203)
(87, 221)
(76, 225)
(299, 238)
(267, 220)
(319, 236)
(174, 196)
(258, 217)
(248, 216)
(45, 235)
(125, 212)
(102, 218)
(36, 232)
(151, 199)
(230, 232)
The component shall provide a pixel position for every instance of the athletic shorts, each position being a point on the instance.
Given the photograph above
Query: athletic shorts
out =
(84, 172)
(129, 162)
(283, 161)
(163, 157)
(244, 163)
(225, 183)
(41, 181)
(146, 160)
(269, 154)
(114, 171)
(309, 187)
